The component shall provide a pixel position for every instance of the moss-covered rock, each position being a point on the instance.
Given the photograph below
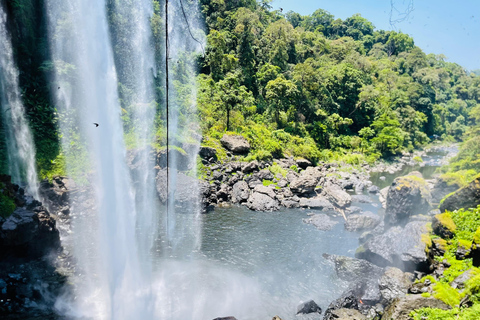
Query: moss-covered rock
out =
(466, 197)
(443, 225)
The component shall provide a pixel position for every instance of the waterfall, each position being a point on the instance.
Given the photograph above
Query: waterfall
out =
(110, 284)
(19, 139)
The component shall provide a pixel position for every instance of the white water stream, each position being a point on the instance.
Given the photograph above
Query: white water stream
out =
(20, 145)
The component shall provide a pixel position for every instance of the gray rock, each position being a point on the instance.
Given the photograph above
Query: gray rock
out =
(407, 196)
(394, 284)
(361, 198)
(345, 314)
(364, 221)
(303, 163)
(264, 174)
(261, 202)
(459, 282)
(183, 161)
(250, 167)
(265, 190)
(398, 246)
(352, 269)
(252, 183)
(373, 189)
(382, 196)
(321, 222)
(236, 144)
(291, 176)
(303, 185)
(400, 309)
(288, 203)
(319, 202)
(337, 196)
(240, 192)
(282, 183)
(309, 307)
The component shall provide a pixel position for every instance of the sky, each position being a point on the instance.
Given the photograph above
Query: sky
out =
(444, 27)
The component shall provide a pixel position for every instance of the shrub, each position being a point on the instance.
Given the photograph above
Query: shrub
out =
(7, 205)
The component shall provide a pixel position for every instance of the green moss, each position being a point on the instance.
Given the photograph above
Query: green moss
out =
(476, 236)
(418, 159)
(426, 295)
(445, 293)
(266, 183)
(275, 168)
(445, 198)
(458, 178)
(446, 220)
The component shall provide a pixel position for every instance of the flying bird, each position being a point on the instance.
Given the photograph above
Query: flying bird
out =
(96, 124)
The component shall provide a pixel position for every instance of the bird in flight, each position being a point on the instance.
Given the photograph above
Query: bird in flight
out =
(96, 124)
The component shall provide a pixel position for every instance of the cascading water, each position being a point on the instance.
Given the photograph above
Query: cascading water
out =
(110, 284)
(19, 139)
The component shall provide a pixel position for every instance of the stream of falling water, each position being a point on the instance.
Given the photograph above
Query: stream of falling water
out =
(111, 284)
(19, 139)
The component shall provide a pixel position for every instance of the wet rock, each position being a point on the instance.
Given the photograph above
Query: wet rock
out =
(352, 269)
(321, 222)
(407, 196)
(183, 161)
(361, 198)
(373, 189)
(319, 202)
(346, 314)
(240, 192)
(309, 307)
(261, 202)
(236, 144)
(226, 318)
(364, 221)
(394, 284)
(466, 197)
(350, 299)
(337, 195)
(400, 309)
(398, 246)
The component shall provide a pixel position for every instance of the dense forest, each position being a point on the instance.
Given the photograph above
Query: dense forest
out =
(308, 86)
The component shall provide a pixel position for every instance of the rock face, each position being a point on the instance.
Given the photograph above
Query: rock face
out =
(235, 144)
(261, 202)
(466, 197)
(398, 246)
(309, 307)
(183, 161)
(394, 284)
(401, 308)
(407, 196)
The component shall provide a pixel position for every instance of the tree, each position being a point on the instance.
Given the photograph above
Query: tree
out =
(282, 94)
(233, 95)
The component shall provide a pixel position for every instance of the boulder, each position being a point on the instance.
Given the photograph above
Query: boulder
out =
(261, 202)
(466, 197)
(291, 176)
(345, 314)
(265, 190)
(407, 196)
(321, 222)
(28, 233)
(401, 308)
(364, 221)
(337, 195)
(236, 144)
(250, 167)
(352, 269)
(308, 307)
(393, 284)
(208, 153)
(319, 202)
(398, 246)
(264, 174)
(443, 226)
(303, 163)
(459, 282)
(240, 192)
(303, 185)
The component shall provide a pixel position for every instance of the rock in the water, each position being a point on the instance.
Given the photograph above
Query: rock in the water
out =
(407, 196)
(400, 309)
(236, 144)
(337, 195)
(308, 307)
(364, 221)
(351, 269)
(321, 222)
(261, 202)
(394, 284)
(319, 202)
(240, 192)
(226, 318)
(466, 197)
(398, 246)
